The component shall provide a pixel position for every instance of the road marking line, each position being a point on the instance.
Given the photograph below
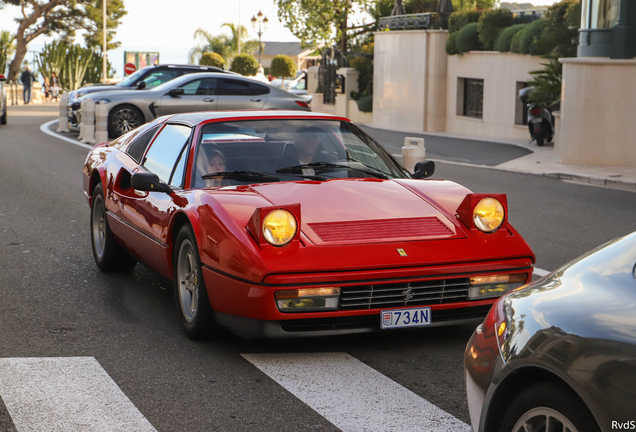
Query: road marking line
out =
(66, 394)
(541, 272)
(45, 128)
(352, 395)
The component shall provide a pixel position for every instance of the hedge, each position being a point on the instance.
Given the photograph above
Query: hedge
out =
(244, 64)
(451, 44)
(530, 37)
(459, 19)
(491, 23)
(468, 38)
(502, 43)
(212, 59)
(514, 42)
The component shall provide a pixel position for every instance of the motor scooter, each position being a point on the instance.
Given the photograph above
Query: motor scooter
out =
(540, 119)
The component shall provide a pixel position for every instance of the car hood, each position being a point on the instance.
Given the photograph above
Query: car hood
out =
(356, 211)
(119, 93)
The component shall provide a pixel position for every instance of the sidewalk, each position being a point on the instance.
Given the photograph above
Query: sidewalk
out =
(545, 161)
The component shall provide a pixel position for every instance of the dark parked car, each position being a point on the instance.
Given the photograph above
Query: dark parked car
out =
(144, 79)
(3, 101)
(560, 354)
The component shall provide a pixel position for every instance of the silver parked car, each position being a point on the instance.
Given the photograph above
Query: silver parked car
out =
(560, 353)
(190, 93)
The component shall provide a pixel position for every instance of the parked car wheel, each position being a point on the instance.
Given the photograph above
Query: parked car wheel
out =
(189, 286)
(123, 119)
(3, 118)
(547, 406)
(108, 254)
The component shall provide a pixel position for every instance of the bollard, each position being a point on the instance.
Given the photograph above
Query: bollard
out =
(80, 122)
(88, 119)
(101, 123)
(62, 125)
(413, 152)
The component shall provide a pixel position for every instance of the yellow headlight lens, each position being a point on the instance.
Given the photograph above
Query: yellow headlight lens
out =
(488, 215)
(279, 227)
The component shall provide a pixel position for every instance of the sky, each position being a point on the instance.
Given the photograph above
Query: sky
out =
(168, 26)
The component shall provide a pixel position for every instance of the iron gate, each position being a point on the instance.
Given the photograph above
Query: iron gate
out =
(332, 60)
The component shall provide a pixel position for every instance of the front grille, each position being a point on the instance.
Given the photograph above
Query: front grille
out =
(372, 322)
(387, 229)
(404, 294)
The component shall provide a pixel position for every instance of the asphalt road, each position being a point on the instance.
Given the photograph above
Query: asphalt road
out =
(55, 303)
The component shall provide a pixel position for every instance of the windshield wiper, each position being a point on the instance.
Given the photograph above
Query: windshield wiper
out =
(242, 176)
(375, 170)
(319, 166)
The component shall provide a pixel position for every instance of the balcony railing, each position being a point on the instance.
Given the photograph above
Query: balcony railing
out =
(421, 21)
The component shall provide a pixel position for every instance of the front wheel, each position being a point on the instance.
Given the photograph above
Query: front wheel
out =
(189, 287)
(108, 254)
(540, 141)
(3, 118)
(123, 119)
(548, 407)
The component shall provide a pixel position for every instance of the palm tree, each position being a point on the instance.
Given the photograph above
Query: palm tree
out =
(224, 45)
(7, 47)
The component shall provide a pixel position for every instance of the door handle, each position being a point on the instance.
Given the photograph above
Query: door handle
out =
(255, 100)
(208, 100)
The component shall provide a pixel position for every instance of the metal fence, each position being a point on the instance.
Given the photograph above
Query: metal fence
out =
(421, 21)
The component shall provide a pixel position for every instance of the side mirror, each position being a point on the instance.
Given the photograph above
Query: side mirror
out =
(149, 183)
(176, 92)
(424, 169)
(2, 78)
(141, 85)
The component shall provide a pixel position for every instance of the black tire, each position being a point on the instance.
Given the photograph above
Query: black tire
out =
(123, 119)
(3, 118)
(109, 255)
(539, 140)
(559, 402)
(193, 303)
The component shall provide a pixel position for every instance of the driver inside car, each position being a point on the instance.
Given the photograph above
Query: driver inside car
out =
(306, 149)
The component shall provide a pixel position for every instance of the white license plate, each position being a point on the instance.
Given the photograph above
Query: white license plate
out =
(399, 318)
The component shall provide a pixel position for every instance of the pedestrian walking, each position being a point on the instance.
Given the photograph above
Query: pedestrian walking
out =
(27, 79)
(55, 86)
(46, 88)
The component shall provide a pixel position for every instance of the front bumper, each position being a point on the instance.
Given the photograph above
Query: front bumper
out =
(250, 309)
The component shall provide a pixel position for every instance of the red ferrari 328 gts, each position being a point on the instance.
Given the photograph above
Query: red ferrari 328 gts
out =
(288, 224)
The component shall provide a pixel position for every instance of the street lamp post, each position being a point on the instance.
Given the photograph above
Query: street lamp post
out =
(259, 25)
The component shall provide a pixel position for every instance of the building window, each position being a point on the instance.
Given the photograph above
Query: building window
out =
(470, 97)
(521, 111)
(599, 14)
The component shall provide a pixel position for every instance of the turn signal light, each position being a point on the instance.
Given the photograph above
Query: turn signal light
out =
(308, 299)
(483, 287)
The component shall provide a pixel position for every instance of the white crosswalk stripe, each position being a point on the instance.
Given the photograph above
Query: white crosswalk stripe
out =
(66, 394)
(352, 395)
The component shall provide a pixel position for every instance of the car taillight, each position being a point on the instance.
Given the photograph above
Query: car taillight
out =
(303, 104)
(535, 111)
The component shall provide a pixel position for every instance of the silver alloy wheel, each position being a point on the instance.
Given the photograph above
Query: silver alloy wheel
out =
(188, 279)
(543, 419)
(125, 120)
(99, 226)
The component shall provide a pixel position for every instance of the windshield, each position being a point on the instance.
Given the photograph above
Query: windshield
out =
(131, 79)
(257, 151)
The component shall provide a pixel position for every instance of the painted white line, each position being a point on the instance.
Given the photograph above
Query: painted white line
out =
(352, 395)
(45, 128)
(541, 272)
(66, 394)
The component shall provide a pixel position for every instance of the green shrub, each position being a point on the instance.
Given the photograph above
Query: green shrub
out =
(212, 59)
(459, 19)
(530, 38)
(364, 66)
(451, 44)
(468, 38)
(491, 23)
(514, 42)
(365, 104)
(244, 64)
(502, 43)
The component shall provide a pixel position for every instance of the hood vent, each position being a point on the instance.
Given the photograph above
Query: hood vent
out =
(383, 230)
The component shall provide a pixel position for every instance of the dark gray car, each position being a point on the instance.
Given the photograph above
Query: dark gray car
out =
(191, 93)
(560, 354)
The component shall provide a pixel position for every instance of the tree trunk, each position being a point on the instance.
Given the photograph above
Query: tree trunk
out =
(343, 28)
(20, 53)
